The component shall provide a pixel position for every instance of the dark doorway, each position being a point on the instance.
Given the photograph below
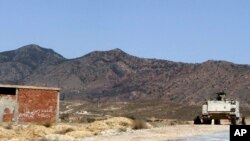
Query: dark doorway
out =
(8, 91)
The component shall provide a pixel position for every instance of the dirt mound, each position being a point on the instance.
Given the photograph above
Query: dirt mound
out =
(112, 123)
(6, 133)
(34, 131)
(65, 131)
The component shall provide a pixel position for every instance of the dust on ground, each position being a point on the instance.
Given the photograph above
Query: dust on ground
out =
(174, 132)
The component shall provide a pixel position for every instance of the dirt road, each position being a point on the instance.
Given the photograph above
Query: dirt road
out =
(170, 133)
(221, 136)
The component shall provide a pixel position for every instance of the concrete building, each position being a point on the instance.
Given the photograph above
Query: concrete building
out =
(29, 104)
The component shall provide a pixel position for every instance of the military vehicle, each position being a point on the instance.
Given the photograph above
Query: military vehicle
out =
(220, 108)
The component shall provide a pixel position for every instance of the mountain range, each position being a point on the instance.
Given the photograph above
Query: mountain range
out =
(116, 75)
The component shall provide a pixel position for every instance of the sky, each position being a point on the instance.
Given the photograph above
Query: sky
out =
(191, 31)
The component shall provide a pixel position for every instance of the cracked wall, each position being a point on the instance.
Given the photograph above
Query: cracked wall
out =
(7, 107)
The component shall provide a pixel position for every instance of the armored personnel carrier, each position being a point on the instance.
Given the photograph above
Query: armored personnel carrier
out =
(220, 108)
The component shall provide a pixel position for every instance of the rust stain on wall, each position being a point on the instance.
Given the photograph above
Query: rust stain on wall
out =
(8, 115)
(7, 107)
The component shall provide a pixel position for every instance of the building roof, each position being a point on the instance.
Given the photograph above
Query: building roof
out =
(29, 87)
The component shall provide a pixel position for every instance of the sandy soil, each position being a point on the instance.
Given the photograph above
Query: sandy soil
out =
(112, 129)
(162, 134)
(62, 131)
(220, 136)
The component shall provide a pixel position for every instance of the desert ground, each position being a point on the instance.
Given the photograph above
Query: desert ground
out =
(81, 121)
(169, 133)
(112, 129)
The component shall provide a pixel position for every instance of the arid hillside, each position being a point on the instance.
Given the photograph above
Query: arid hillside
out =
(116, 75)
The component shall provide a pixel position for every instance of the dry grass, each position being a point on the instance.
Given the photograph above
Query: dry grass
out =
(47, 131)
(6, 133)
(139, 124)
(64, 131)
(47, 124)
(9, 126)
(64, 117)
(139, 109)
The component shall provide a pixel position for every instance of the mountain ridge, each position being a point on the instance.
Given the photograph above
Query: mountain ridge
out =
(114, 74)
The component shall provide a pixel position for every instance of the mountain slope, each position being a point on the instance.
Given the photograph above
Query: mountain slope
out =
(17, 64)
(116, 75)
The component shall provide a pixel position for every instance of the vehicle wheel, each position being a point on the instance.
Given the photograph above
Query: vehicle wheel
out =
(233, 120)
(206, 120)
(243, 121)
(197, 120)
(209, 121)
(217, 121)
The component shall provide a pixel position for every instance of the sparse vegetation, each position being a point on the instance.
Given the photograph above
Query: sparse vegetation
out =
(130, 117)
(114, 72)
(90, 120)
(73, 131)
(47, 124)
(64, 117)
(178, 122)
(64, 131)
(49, 131)
(143, 109)
(139, 124)
(9, 126)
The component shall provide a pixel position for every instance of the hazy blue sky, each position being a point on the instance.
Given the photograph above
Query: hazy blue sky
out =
(178, 30)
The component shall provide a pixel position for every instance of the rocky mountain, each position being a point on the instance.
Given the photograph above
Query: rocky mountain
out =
(18, 64)
(116, 75)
